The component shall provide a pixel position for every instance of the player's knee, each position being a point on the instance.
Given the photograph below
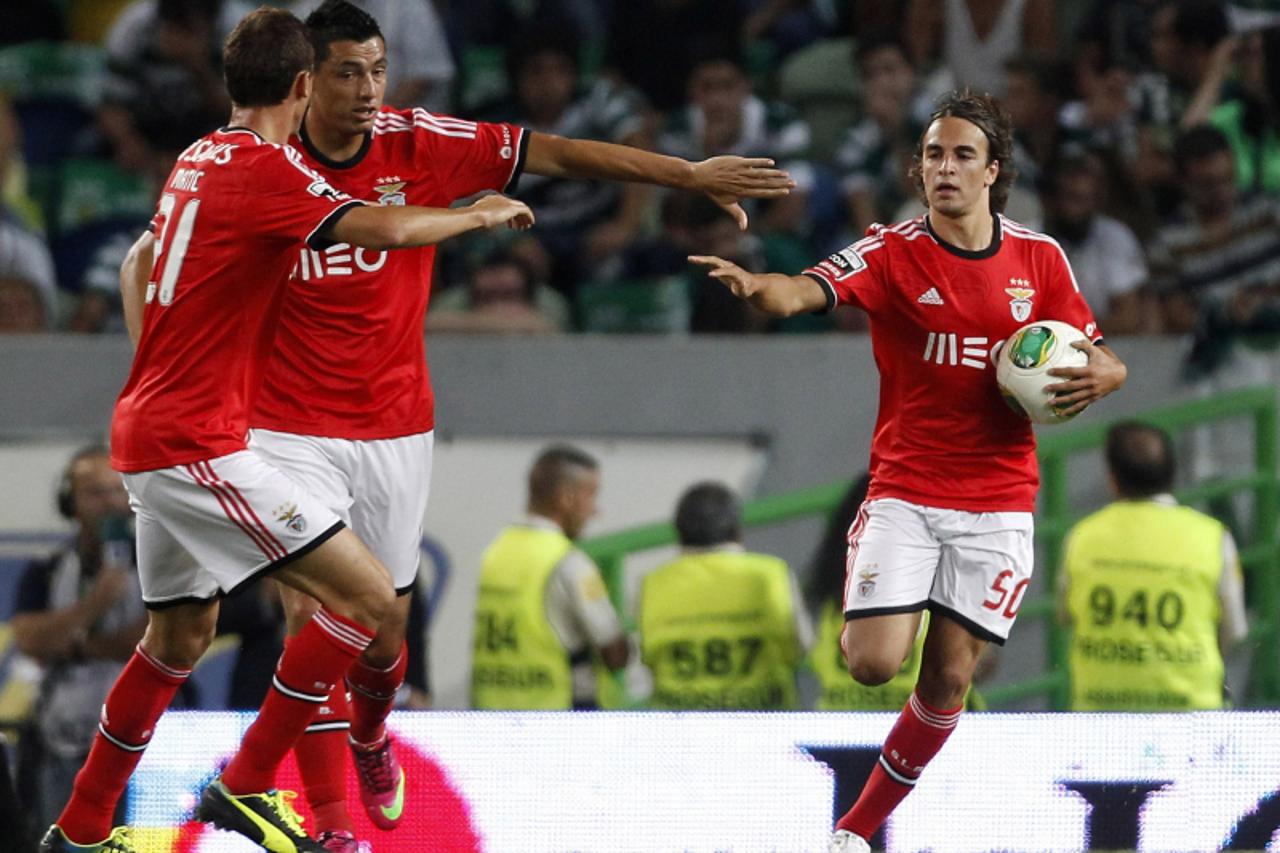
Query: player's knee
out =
(943, 686)
(297, 610)
(371, 603)
(872, 670)
(180, 642)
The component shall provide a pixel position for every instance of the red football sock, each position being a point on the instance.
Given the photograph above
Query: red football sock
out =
(311, 664)
(915, 739)
(322, 763)
(373, 692)
(137, 699)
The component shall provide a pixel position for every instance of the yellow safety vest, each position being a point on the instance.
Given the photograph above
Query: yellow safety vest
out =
(1143, 597)
(717, 629)
(518, 661)
(839, 691)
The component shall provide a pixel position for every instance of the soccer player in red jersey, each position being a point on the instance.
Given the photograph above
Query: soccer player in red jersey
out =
(211, 513)
(947, 521)
(346, 406)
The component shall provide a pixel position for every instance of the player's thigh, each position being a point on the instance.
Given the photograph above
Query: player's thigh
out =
(891, 562)
(390, 488)
(984, 572)
(344, 576)
(321, 466)
(236, 516)
(167, 572)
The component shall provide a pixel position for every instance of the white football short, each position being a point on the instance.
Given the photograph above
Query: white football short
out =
(213, 525)
(972, 567)
(379, 487)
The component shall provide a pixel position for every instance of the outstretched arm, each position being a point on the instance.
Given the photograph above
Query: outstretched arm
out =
(377, 227)
(772, 293)
(726, 180)
(135, 272)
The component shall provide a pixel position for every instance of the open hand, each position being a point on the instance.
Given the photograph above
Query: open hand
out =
(729, 178)
(732, 276)
(1104, 373)
(499, 209)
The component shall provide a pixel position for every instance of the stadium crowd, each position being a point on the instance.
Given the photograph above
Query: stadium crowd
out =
(1147, 145)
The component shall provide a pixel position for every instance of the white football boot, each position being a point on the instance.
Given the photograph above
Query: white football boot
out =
(844, 841)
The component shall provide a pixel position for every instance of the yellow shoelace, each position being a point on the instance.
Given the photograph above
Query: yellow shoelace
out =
(120, 840)
(282, 805)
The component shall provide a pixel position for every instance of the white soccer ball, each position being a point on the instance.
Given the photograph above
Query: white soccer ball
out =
(1022, 368)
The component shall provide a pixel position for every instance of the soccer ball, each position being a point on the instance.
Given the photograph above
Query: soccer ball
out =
(1022, 368)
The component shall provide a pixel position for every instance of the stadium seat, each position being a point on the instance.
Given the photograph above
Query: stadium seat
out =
(820, 82)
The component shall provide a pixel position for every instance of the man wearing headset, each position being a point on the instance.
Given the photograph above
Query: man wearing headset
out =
(79, 614)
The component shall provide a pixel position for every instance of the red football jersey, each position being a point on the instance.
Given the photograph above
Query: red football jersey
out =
(938, 314)
(227, 228)
(349, 360)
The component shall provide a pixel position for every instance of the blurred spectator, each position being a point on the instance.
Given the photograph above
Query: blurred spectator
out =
(1105, 122)
(974, 39)
(1114, 31)
(875, 155)
(1192, 51)
(653, 44)
(1152, 590)
(1104, 253)
(1217, 269)
(722, 116)
(579, 222)
(1252, 120)
(79, 614)
(721, 628)
(501, 295)
(28, 290)
(1034, 99)
(420, 68)
(98, 308)
(789, 25)
(543, 615)
(164, 84)
(22, 308)
(479, 23)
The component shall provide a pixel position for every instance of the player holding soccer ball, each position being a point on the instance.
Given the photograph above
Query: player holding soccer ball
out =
(947, 522)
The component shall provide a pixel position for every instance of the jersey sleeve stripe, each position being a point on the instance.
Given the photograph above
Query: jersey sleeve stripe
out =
(517, 168)
(315, 240)
(444, 121)
(827, 289)
(444, 131)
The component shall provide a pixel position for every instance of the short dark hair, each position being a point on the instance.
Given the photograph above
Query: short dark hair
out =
(1202, 23)
(338, 20)
(263, 56)
(553, 469)
(1199, 143)
(708, 514)
(1140, 458)
(981, 110)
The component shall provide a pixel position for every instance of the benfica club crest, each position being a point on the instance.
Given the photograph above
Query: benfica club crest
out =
(1020, 296)
(391, 192)
(867, 584)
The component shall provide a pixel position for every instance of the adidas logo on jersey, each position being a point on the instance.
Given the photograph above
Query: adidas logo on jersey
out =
(930, 297)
